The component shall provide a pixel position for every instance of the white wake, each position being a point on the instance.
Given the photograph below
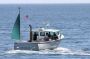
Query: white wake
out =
(59, 50)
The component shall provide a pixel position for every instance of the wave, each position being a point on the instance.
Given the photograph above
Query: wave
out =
(59, 51)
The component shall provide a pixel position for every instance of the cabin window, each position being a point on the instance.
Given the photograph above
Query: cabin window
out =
(42, 33)
(51, 33)
(57, 33)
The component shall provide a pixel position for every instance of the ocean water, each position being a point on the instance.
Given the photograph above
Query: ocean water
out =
(72, 19)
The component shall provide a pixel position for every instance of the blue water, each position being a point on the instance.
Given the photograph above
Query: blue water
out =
(72, 19)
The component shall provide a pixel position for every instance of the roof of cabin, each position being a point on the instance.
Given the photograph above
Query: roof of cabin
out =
(46, 30)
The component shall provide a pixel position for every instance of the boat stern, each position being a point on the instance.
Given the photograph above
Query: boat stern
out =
(25, 46)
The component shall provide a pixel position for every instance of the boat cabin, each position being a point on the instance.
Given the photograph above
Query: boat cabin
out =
(42, 34)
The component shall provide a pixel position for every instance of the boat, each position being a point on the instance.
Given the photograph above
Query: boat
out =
(40, 38)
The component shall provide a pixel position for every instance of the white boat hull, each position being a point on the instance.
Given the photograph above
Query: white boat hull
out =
(52, 44)
(36, 45)
(49, 45)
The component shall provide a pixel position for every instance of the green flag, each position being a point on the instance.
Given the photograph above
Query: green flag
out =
(16, 29)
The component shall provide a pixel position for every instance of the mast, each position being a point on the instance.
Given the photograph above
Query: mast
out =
(19, 19)
(19, 10)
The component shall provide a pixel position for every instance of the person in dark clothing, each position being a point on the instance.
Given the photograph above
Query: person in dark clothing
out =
(49, 35)
(35, 36)
(46, 34)
(55, 36)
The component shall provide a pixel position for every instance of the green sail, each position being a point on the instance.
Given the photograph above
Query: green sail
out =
(16, 29)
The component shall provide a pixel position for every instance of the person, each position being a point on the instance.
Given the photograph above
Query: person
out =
(49, 35)
(55, 36)
(35, 36)
(46, 34)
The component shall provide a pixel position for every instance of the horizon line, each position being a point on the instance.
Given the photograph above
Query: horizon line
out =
(43, 3)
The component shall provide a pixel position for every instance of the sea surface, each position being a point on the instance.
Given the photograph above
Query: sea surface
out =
(73, 21)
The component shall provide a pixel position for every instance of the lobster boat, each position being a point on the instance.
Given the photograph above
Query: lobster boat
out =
(40, 38)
